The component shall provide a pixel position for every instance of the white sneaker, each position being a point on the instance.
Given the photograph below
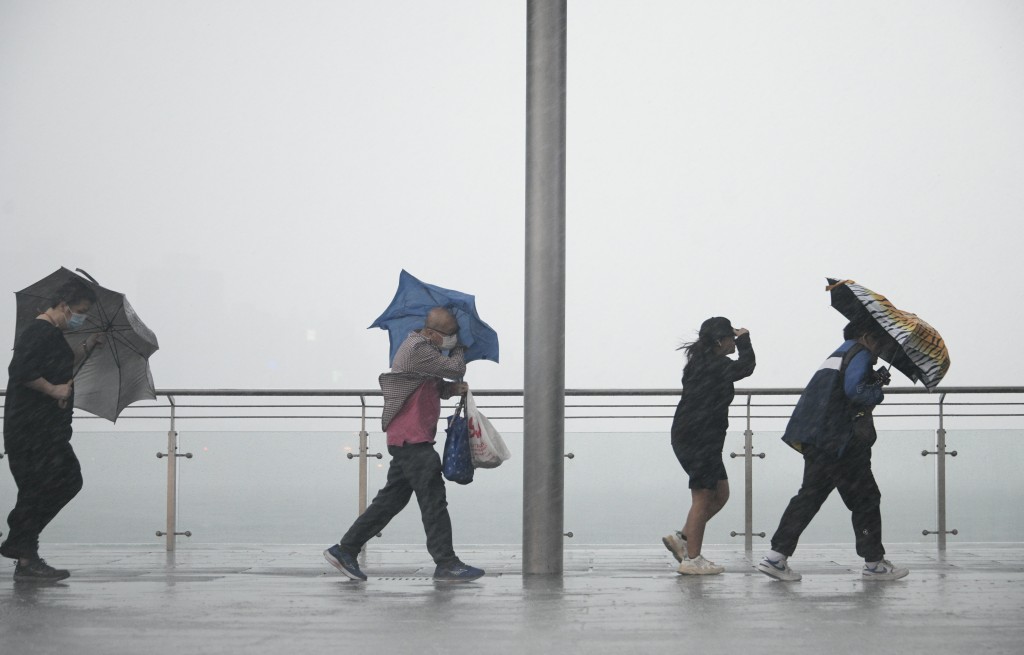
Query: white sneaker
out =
(884, 570)
(676, 544)
(699, 566)
(778, 569)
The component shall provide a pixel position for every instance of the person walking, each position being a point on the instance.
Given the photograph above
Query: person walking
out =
(413, 391)
(37, 426)
(698, 432)
(832, 427)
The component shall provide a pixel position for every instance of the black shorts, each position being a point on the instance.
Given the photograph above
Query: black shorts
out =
(705, 469)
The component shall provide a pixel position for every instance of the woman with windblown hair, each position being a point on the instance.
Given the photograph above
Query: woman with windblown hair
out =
(698, 432)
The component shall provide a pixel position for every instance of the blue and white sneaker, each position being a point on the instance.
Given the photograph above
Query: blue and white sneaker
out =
(883, 570)
(457, 572)
(344, 562)
(778, 569)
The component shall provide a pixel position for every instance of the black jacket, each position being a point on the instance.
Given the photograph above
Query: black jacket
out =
(702, 416)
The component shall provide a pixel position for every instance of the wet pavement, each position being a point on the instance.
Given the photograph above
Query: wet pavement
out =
(285, 599)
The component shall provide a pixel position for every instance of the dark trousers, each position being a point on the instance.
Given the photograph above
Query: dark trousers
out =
(414, 468)
(851, 475)
(47, 478)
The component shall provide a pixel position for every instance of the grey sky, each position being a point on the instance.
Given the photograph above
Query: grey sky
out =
(254, 175)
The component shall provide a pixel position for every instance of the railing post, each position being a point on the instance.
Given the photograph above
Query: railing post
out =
(748, 485)
(172, 481)
(364, 455)
(748, 471)
(364, 446)
(940, 479)
(940, 476)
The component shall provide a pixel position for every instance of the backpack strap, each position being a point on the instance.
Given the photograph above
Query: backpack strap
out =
(848, 357)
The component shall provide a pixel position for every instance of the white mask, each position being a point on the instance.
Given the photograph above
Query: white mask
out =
(449, 341)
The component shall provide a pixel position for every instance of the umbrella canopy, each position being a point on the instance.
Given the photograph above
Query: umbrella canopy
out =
(117, 372)
(915, 348)
(415, 298)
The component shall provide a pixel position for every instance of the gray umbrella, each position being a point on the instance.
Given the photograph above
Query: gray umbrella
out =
(117, 373)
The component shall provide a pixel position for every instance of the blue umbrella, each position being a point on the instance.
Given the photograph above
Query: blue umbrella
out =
(415, 298)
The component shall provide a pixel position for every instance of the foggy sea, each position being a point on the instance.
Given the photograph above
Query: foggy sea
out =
(625, 488)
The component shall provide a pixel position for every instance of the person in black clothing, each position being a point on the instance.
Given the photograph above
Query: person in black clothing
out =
(37, 426)
(698, 432)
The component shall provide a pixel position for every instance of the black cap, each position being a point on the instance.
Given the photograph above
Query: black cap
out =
(715, 328)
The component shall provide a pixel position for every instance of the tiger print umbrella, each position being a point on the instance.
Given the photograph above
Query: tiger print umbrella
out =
(916, 349)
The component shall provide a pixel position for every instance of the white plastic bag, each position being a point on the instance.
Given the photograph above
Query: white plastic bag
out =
(485, 444)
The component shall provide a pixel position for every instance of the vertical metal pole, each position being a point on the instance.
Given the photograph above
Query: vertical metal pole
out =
(748, 480)
(940, 476)
(364, 446)
(172, 481)
(544, 378)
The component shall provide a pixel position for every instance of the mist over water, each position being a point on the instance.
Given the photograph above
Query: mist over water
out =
(625, 488)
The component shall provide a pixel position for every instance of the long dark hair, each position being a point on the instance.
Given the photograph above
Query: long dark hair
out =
(703, 349)
(697, 351)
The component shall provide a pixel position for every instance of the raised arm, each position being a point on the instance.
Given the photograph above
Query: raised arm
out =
(744, 366)
(425, 359)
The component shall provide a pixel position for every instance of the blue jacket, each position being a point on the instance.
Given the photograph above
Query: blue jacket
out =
(824, 415)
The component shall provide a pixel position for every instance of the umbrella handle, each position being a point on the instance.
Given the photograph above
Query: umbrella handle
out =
(103, 330)
(88, 354)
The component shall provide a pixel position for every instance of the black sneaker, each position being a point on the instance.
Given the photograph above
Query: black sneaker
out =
(344, 562)
(457, 572)
(37, 570)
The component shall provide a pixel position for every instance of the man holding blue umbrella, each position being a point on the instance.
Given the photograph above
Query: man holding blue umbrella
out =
(422, 374)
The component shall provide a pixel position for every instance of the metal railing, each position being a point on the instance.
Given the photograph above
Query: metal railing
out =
(606, 408)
